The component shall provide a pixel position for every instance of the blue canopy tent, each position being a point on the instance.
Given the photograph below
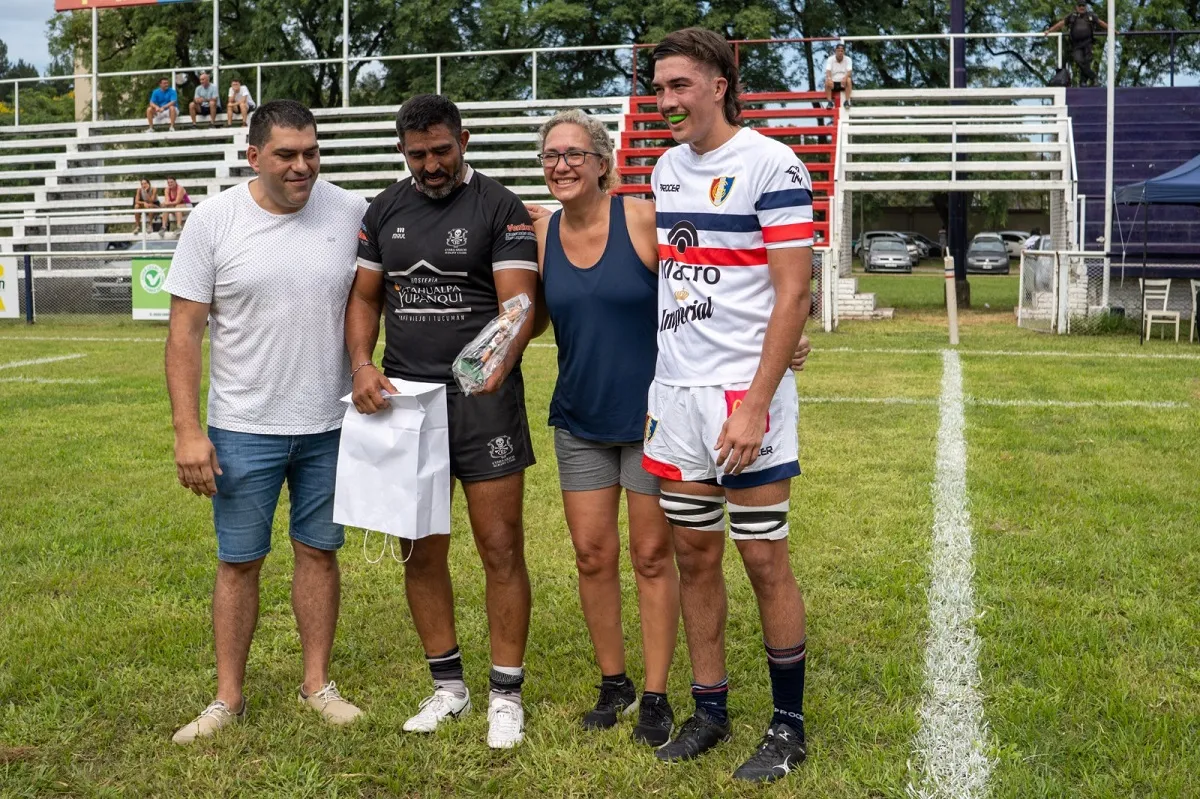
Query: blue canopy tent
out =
(1180, 186)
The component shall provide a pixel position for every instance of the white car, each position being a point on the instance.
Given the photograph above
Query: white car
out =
(114, 283)
(1014, 240)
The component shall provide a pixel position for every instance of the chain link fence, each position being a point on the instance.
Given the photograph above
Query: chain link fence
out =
(1037, 308)
(1064, 292)
(87, 286)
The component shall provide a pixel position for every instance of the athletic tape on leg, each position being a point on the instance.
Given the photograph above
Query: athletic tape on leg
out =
(767, 522)
(693, 511)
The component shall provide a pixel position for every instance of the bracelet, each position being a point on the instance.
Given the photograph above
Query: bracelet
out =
(361, 365)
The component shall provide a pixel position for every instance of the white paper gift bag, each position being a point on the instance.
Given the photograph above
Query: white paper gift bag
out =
(393, 472)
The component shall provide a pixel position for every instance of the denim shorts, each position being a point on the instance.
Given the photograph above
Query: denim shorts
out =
(254, 468)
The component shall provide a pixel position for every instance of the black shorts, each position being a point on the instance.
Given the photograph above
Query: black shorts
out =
(837, 86)
(489, 433)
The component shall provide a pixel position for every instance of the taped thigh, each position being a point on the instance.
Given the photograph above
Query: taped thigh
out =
(693, 511)
(764, 522)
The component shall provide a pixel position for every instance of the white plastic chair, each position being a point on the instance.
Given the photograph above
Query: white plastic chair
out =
(1155, 295)
(1195, 288)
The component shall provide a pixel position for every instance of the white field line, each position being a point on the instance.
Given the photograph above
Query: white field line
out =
(1018, 403)
(950, 748)
(867, 401)
(81, 338)
(66, 381)
(39, 361)
(1001, 403)
(1141, 356)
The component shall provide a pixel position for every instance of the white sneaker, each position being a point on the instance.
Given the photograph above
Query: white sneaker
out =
(506, 723)
(172, 128)
(149, 128)
(437, 708)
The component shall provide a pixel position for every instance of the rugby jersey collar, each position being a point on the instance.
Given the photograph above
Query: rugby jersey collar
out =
(715, 154)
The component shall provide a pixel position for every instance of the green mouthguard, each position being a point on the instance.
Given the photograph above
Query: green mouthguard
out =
(675, 119)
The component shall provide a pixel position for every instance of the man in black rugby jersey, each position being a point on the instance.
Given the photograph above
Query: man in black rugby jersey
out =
(439, 252)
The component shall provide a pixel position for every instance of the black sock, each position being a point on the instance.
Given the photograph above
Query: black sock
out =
(713, 700)
(787, 684)
(446, 666)
(614, 679)
(503, 683)
(653, 695)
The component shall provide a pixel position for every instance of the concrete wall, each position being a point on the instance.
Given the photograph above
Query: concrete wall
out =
(925, 220)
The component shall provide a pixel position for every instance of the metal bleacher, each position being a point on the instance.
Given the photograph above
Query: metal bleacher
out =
(70, 186)
(794, 118)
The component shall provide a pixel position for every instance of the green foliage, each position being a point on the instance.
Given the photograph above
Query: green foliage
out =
(44, 101)
(180, 36)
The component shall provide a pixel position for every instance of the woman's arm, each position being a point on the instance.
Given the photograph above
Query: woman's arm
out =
(643, 230)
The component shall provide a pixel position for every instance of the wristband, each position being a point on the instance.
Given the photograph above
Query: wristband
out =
(360, 366)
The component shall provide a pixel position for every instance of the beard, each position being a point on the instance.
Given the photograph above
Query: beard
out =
(442, 191)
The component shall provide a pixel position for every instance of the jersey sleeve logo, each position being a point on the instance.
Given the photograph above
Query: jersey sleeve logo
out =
(720, 190)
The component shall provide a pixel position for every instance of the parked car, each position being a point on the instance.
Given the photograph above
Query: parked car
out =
(887, 254)
(987, 255)
(1014, 240)
(115, 284)
(931, 249)
(864, 243)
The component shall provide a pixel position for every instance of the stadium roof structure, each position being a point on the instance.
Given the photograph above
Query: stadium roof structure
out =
(1180, 186)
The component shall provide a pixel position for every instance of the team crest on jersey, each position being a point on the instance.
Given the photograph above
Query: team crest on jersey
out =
(457, 237)
(720, 189)
(651, 428)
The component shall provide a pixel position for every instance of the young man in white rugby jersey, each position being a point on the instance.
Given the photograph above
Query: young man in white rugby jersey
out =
(734, 217)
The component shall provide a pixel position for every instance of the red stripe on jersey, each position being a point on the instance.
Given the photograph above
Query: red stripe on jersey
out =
(715, 256)
(776, 233)
(659, 469)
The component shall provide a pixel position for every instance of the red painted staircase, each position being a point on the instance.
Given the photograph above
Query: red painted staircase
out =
(791, 117)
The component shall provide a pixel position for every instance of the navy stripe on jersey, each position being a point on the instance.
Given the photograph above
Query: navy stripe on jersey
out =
(725, 223)
(788, 198)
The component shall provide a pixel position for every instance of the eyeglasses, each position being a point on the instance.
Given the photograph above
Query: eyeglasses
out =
(572, 157)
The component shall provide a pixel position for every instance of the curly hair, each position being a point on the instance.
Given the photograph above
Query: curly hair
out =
(601, 142)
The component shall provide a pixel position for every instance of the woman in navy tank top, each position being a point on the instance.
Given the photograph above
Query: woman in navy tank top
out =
(598, 259)
(599, 263)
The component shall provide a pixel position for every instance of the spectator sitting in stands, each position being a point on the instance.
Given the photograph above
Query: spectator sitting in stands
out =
(145, 197)
(207, 100)
(163, 100)
(175, 196)
(239, 102)
(837, 76)
(1081, 31)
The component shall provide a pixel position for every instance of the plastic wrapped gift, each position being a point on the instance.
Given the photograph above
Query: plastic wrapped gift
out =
(480, 359)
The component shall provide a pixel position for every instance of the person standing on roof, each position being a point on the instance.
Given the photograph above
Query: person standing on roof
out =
(1081, 27)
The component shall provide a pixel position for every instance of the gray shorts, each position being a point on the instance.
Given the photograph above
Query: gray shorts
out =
(588, 465)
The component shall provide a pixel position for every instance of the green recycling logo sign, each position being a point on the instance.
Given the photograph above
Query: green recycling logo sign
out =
(150, 301)
(152, 278)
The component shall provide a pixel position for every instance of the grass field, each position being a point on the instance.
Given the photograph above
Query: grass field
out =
(1083, 516)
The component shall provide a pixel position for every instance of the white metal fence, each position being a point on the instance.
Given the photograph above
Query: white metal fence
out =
(1064, 291)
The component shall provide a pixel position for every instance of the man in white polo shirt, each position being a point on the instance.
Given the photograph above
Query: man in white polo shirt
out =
(268, 266)
(837, 76)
